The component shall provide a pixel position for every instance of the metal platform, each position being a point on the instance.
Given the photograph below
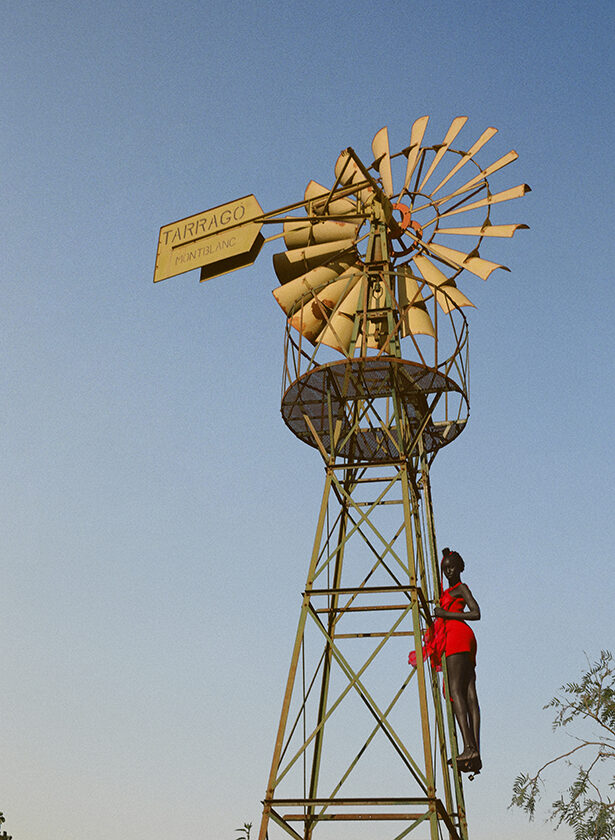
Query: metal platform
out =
(348, 402)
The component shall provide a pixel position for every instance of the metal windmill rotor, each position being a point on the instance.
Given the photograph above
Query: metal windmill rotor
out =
(321, 269)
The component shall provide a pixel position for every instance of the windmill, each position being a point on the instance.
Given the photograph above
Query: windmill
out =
(375, 377)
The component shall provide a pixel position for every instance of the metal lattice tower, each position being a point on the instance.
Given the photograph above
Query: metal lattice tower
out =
(376, 379)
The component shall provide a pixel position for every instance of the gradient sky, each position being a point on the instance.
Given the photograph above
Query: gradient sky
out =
(156, 514)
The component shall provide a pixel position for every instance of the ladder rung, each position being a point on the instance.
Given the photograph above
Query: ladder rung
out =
(362, 609)
(376, 504)
(361, 590)
(306, 818)
(371, 635)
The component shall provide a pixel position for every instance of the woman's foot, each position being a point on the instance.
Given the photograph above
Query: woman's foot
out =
(469, 760)
(475, 764)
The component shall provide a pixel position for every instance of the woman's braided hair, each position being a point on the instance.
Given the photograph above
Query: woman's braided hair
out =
(455, 556)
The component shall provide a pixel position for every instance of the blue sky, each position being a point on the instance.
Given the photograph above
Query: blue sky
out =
(156, 514)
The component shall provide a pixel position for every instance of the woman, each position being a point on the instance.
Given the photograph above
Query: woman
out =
(452, 637)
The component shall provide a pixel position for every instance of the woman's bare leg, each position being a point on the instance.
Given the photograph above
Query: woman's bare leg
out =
(460, 670)
(474, 711)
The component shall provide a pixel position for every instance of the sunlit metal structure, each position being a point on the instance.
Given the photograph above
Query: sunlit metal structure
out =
(376, 380)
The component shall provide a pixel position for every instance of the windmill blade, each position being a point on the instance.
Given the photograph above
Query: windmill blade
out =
(455, 127)
(496, 198)
(459, 259)
(485, 230)
(338, 332)
(303, 232)
(482, 175)
(445, 289)
(294, 294)
(416, 138)
(415, 317)
(291, 264)
(487, 134)
(349, 173)
(382, 159)
(311, 319)
(318, 194)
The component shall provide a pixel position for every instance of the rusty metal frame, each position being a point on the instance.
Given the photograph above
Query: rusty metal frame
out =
(332, 412)
(355, 518)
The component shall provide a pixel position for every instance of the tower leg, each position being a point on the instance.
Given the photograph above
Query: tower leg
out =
(450, 718)
(294, 662)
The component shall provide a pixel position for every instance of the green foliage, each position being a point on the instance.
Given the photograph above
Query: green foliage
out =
(245, 831)
(588, 805)
(3, 834)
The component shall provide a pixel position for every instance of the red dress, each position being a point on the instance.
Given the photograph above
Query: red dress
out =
(448, 636)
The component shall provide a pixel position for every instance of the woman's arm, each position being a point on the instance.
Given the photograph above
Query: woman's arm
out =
(471, 614)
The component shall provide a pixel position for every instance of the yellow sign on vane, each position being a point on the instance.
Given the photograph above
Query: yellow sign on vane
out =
(216, 241)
